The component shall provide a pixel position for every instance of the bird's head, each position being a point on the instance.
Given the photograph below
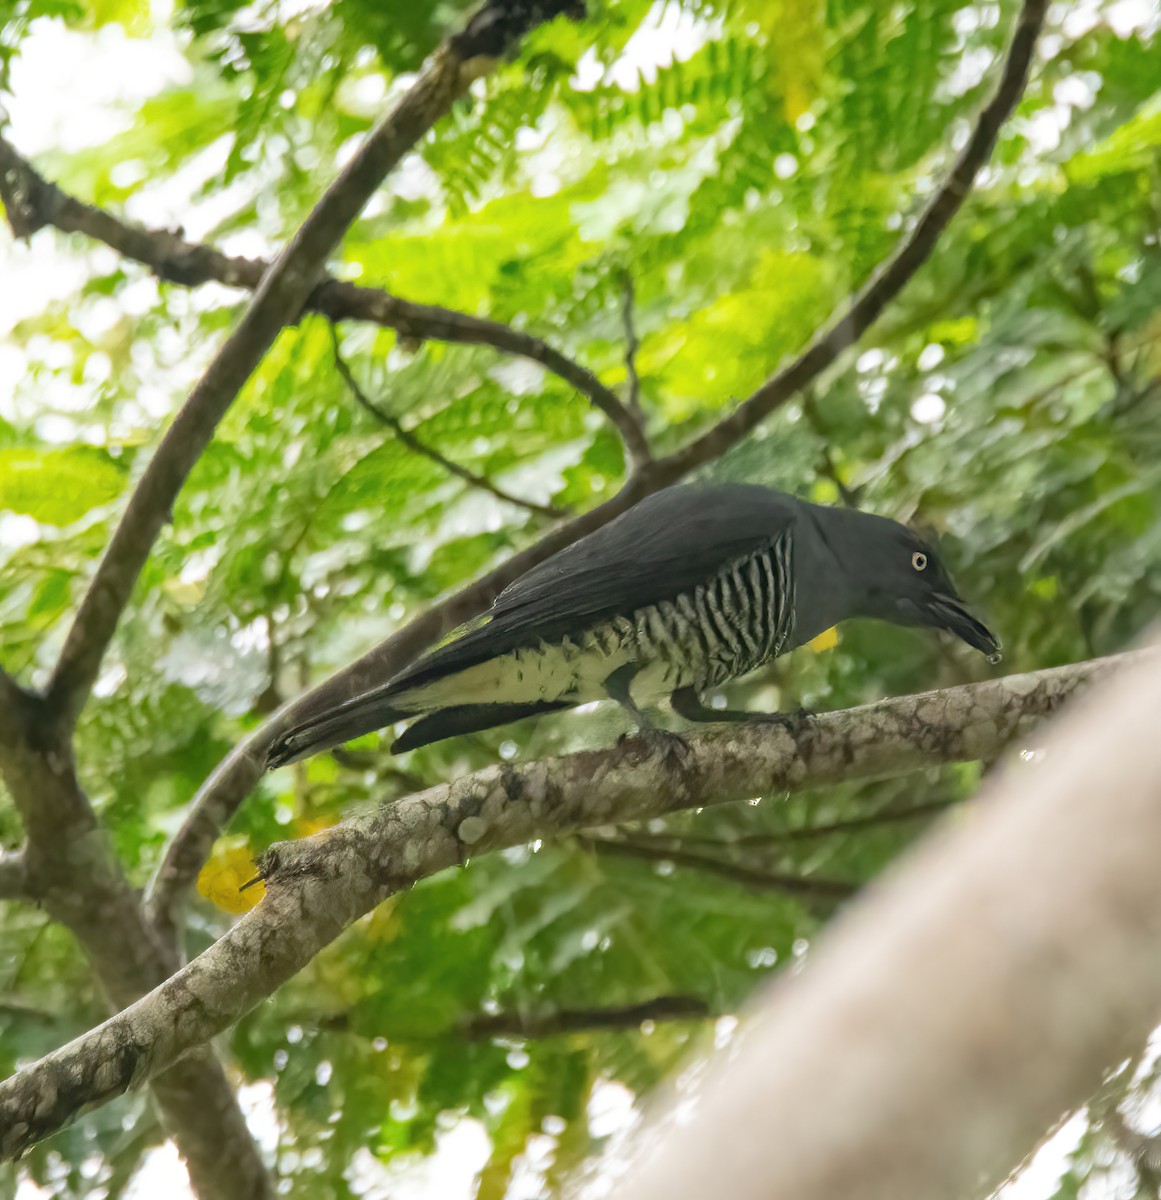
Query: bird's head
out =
(904, 581)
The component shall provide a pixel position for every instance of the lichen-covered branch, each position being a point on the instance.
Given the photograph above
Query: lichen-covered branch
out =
(317, 886)
(68, 866)
(236, 776)
(980, 989)
(278, 300)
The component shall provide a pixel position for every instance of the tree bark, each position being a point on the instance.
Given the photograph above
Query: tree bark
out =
(69, 865)
(317, 886)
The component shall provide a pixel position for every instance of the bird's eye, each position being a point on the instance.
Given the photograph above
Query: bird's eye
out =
(919, 560)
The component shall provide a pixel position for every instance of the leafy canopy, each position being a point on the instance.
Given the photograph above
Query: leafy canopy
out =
(745, 164)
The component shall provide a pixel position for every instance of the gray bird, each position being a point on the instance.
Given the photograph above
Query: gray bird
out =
(693, 586)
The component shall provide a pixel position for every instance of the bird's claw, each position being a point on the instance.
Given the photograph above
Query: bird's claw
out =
(794, 722)
(671, 748)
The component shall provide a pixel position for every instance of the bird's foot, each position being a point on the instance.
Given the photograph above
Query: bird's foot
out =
(795, 722)
(671, 748)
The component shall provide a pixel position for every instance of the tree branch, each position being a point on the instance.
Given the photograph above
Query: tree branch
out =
(539, 1023)
(632, 345)
(69, 867)
(891, 277)
(278, 300)
(543, 1024)
(32, 202)
(218, 799)
(317, 886)
(418, 446)
(826, 467)
(980, 989)
(14, 709)
(887, 816)
(13, 875)
(803, 887)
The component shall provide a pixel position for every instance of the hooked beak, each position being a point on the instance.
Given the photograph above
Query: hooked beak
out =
(948, 612)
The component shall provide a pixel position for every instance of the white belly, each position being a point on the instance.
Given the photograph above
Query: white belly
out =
(571, 671)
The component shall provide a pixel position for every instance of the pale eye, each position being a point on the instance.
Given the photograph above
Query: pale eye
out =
(919, 560)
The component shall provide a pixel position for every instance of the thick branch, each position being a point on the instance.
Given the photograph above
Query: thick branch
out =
(278, 300)
(316, 887)
(32, 203)
(802, 887)
(14, 711)
(417, 446)
(13, 875)
(69, 867)
(965, 1001)
(237, 775)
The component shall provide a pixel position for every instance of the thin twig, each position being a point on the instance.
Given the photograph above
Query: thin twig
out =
(236, 776)
(632, 345)
(849, 496)
(804, 887)
(278, 300)
(584, 1020)
(415, 444)
(32, 202)
(808, 833)
(542, 1023)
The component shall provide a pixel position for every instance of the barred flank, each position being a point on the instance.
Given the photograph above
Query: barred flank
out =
(736, 621)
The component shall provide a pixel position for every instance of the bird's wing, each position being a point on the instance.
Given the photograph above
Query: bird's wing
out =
(663, 546)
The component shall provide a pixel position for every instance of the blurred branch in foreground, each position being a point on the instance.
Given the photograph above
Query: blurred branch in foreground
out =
(991, 980)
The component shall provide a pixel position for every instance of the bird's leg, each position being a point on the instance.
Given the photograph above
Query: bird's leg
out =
(671, 747)
(688, 704)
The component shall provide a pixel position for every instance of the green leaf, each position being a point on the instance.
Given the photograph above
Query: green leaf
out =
(58, 486)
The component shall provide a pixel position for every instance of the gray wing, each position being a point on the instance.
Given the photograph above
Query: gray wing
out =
(663, 546)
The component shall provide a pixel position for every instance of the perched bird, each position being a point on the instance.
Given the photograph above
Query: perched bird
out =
(693, 586)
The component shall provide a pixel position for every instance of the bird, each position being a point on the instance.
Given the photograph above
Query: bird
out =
(693, 586)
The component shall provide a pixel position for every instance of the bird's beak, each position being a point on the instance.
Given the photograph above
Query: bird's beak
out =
(948, 612)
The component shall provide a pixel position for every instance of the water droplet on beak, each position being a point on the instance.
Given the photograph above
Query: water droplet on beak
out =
(995, 657)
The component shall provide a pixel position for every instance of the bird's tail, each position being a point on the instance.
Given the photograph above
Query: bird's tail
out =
(355, 717)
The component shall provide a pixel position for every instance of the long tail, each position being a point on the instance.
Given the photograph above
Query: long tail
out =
(373, 711)
(469, 718)
(358, 716)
